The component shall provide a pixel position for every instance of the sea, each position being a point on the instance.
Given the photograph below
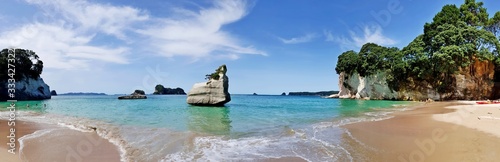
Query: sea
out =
(249, 128)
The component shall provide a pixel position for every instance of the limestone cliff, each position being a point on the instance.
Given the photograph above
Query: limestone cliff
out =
(472, 83)
(214, 92)
(26, 89)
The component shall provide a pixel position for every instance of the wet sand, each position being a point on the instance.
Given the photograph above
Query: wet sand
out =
(416, 136)
(58, 144)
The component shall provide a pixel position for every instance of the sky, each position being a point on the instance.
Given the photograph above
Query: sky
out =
(269, 46)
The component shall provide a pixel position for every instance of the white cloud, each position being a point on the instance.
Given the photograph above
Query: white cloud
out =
(198, 34)
(303, 39)
(113, 20)
(61, 48)
(62, 33)
(370, 34)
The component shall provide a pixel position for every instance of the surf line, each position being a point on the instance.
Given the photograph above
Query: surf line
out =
(11, 72)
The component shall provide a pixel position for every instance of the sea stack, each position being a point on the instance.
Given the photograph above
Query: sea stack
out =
(138, 94)
(214, 92)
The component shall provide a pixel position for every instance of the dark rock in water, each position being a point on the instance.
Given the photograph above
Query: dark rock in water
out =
(214, 92)
(161, 90)
(321, 93)
(138, 94)
(255, 94)
(283, 94)
(53, 93)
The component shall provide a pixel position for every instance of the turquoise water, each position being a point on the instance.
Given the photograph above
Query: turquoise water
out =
(264, 124)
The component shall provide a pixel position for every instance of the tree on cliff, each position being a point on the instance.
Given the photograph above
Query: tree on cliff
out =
(450, 44)
(26, 63)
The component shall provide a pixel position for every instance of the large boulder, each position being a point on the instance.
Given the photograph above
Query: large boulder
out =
(26, 89)
(214, 92)
(138, 94)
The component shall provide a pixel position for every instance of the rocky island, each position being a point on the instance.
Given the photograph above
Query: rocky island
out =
(138, 94)
(28, 83)
(161, 90)
(214, 92)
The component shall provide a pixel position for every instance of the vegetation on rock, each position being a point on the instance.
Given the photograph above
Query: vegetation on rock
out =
(215, 75)
(456, 39)
(26, 63)
(160, 90)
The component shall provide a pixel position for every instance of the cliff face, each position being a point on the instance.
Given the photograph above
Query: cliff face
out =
(472, 83)
(26, 89)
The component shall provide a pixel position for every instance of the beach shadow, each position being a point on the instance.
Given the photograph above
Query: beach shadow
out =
(211, 120)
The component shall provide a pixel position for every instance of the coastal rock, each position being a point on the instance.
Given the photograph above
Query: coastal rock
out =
(214, 92)
(321, 93)
(53, 93)
(471, 83)
(161, 90)
(138, 94)
(26, 89)
(283, 94)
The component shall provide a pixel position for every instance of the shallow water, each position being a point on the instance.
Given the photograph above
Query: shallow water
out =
(165, 128)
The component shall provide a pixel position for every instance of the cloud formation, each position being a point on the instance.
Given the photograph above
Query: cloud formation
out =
(369, 34)
(199, 33)
(69, 34)
(302, 39)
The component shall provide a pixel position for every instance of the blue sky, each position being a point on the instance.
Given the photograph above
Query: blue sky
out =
(269, 46)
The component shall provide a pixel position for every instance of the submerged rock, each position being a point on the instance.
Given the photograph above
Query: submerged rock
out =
(214, 92)
(138, 94)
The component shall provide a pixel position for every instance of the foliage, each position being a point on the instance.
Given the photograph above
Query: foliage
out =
(449, 44)
(159, 89)
(26, 64)
(347, 62)
(215, 75)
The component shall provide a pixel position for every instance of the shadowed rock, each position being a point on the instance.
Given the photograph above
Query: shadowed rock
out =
(138, 94)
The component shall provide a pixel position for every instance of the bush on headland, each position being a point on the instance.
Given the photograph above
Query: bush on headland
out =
(459, 41)
(20, 71)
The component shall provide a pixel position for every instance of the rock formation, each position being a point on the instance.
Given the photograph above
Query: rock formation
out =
(321, 93)
(214, 92)
(283, 94)
(471, 83)
(26, 89)
(161, 90)
(138, 94)
(53, 93)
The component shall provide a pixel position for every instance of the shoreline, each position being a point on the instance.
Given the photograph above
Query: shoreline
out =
(58, 144)
(421, 134)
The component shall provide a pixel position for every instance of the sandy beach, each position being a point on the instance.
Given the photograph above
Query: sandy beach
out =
(441, 131)
(54, 143)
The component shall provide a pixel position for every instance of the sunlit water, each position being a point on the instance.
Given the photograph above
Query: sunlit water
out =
(165, 128)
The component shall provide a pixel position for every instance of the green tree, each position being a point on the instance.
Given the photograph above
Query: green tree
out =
(473, 13)
(347, 62)
(159, 89)
(26, 63)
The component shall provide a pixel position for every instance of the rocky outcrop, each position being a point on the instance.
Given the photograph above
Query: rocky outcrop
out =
(160, 90)
(53, 93)
(214, 92)
(321, 93)
(283, 94)
(471, 83)
(138, 94)
(26, 89)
